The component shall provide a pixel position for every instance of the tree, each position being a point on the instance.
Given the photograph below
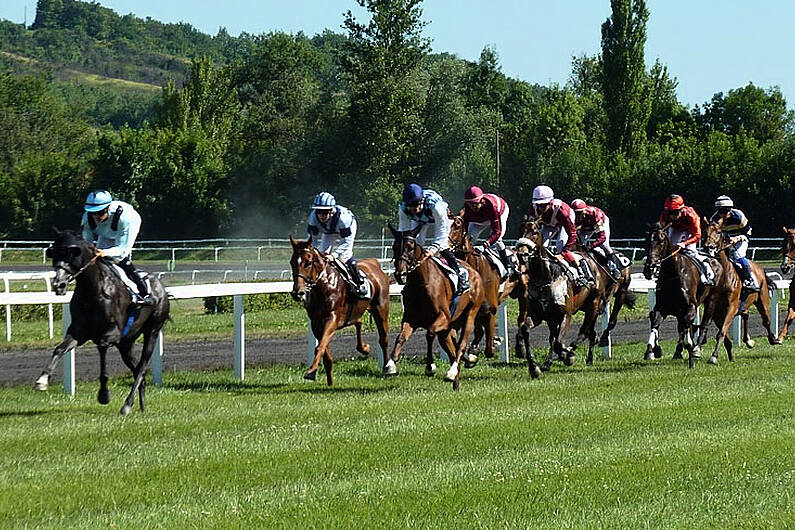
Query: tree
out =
(381, 63)
(624, 84)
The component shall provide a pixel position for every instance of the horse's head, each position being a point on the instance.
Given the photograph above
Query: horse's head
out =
(406, 252)
(459, 237)
(713, 236)
(658, 246)
(787, 249)
(70, 254)
(307, 265)
(531, 230)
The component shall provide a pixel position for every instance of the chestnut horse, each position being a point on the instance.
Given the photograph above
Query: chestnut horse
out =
(319, 285)
(485, 322)
(428, 302)
(552, 297)
(679, 292)
(787, 257)
(716, 244)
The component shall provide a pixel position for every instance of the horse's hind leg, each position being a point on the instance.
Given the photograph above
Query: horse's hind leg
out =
(325, 332)
(653, 349)
(762, 304)
(361, 346)
(723, 320)
(790, 317)
(430, 366)
(747, 340)
(139, 373)
(405, 332)
(103, 396)
(381, 317)
(68, 343)
(328, 365)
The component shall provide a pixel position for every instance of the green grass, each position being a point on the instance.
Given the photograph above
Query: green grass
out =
(624, 444)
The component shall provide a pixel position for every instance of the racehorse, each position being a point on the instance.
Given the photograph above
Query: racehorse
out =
(485, 322)
(787, 257)
(679, 292)
(429, 302)
(737, 299)
(330, 305)
(101, 312)
(552, 297)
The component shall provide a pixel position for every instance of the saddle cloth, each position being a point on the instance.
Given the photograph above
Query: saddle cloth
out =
(449, 271)
(702, 266)
(346, 276)
(495, 261)
(131, 287)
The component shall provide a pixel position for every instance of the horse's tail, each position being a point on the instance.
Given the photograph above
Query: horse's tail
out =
(771, 286)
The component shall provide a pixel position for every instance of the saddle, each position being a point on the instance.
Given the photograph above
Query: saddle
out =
(449, 272)
(351, 284)
(701, 266)
(496, 263)
(132, 288)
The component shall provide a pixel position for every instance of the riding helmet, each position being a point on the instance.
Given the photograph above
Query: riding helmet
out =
(324, 201)
(97, 201)
(542, 194)
(578, 204)
(412, 193)
(674, 202)
(724, 201)
(473, 194)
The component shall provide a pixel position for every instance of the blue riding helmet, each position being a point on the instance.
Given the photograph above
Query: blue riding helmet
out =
(324, 201)
(97, 201)
(412, 193)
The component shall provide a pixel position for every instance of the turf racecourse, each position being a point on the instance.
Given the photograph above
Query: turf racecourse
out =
(623, 444)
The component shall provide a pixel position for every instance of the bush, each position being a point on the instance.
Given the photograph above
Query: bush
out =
(31, 313)
(251, 303)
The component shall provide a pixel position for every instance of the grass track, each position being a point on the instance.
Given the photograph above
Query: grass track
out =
(624, 444)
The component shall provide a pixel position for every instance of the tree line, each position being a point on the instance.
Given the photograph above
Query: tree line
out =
(251, 130)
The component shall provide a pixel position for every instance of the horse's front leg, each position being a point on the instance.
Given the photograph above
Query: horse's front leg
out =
(790, 317)
(430, 365)
(685, 327)
(566, 355)
(103, 396)
(405, 332)
(329, 326)
(68, 343)
(139, 373)
(723, 319)
(554, 347)
(653, 349)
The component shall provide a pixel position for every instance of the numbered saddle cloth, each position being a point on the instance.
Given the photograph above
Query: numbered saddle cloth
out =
(495, 261)
(352, 287)
(450, 272)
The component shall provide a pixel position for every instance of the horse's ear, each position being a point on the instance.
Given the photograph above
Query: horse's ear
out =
(293, 242)
(784, 229)
(56, 231)
(416, 230)
(392, 229)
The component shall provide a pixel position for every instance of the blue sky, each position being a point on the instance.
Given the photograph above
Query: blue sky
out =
(708, 45)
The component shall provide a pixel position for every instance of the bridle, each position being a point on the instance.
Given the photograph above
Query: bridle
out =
(72, 276)
(316, 263)
(412, 261)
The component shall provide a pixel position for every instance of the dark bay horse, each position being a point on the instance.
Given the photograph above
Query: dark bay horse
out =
(485, 322)
(552, 297)
(100, 313)
(319, 285)
(679, 292)
(428, 303)
(732, 295)
(787, 257)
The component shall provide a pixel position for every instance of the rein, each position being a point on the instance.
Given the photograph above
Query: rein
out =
(73, 277)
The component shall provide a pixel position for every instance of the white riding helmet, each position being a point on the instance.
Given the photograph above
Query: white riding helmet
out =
(542, 195)
(724, 201)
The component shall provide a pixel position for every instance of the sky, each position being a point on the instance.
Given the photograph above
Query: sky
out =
(710, 46)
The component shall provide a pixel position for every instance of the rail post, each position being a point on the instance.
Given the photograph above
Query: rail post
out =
(157, 360)
(68, 357)
(240, 338)
(311, 343)
(502, 331)
(607, 349)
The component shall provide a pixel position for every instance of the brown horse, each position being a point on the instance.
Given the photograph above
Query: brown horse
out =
(787, 257)
(679, 292)
(552, 297)
(716, 244)
(485, 322)
(319, 285)
(428, 302)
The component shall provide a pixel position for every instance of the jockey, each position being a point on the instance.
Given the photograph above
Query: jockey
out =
(593, 229)
(486, 210)
(427, 209)
(113, 226)
(328, 224)
(557, 222)
(735, 230)
(684, 230)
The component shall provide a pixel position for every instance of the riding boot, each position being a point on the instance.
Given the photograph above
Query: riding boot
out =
(139, 278)
(586, 275)
(749, 280)
(358, 278)
(463, 277)
(615, 272)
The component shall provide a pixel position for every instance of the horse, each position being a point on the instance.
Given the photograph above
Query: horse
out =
(787, 257)
(679, 292)
(319, 285)
(485, 322)
(551, 297)
(100, 309)
(715, 244)
(429, 302)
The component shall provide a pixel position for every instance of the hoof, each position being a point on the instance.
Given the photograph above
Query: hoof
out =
(657, 350)
(648, 356)
(42, 383)
(390, 368)
(470, 360)
(311, 375)
(452, 374)
(604, 340)
(589, 361)
(677, 355)
(430, 370)
(489, 354)
(750, 343)
(774, 341)
(697, 348)
(455, 384)
(125, 410)
(535, 372)
(569, 360)
(545, 367)
(103, 396)
(497, 342)
(713, 360)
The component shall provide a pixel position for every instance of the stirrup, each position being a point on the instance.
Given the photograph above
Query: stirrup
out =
(145, 300)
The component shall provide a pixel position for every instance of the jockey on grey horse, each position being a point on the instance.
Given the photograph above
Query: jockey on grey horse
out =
(330, 223)
(113, 226)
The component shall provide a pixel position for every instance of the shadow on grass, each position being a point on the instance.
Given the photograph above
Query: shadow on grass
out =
(28, 413)
(233, 387)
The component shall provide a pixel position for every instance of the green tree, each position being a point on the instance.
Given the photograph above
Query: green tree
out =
(624, 84)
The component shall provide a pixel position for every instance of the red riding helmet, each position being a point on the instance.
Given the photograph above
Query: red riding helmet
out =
(473, 194)
(674, 202)
(578, 204)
